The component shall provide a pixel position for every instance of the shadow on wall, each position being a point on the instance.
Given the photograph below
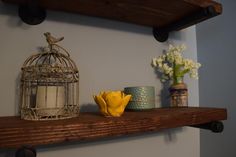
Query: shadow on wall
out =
(11, 10)
(17, 94)
(7, 153)
(14, 20)
(89, 108)
(164, 96)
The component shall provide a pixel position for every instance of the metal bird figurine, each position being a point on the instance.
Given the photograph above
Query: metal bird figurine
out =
(52, 40)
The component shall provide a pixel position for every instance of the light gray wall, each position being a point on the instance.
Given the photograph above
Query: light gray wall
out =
(110, 56)
(216, 41)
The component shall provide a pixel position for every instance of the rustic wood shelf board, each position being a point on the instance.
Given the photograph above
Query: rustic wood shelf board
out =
(15, 132)
(155, 13)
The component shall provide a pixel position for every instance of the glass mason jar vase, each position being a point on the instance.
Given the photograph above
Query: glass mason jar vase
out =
(178, 93)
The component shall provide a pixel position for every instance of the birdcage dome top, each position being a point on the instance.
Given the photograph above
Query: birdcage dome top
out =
(49, 61)
(52, 62)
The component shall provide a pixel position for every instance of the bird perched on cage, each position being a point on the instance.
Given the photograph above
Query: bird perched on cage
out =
(52, 40)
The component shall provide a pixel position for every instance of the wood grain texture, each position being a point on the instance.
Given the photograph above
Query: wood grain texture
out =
(15, 132)
(154, 13)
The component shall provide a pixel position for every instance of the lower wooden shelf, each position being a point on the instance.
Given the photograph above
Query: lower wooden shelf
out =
(15, 132)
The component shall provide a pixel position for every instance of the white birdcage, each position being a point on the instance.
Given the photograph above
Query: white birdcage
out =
(49, 84)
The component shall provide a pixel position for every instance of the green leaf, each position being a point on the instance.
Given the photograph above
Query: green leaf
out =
(184, 72)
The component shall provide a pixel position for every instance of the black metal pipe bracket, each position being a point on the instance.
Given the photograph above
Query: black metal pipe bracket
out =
(161, 34)
(26, 151)
(31, 12)
(215, 126)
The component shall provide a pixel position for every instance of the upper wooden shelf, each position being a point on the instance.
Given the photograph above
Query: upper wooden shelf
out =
(163, 15)
(15, 132)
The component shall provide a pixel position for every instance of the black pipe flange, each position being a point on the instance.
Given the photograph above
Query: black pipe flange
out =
(160, 35)
(31, 13)
(26, 151)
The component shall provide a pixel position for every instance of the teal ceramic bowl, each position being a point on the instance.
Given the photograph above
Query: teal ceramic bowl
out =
(143, 97)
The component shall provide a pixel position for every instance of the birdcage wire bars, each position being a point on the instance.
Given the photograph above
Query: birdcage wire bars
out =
(49, 85)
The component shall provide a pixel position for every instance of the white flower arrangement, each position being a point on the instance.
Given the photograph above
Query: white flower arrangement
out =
(173, 66)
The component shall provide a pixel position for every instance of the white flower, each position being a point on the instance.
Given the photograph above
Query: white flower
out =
(172, 64)
(154, 62)
(166, 68)
(171, 74)
(171, 47)
(163, 57)
(159, 60)
(198, 65)
(194, 74)
(183, 47)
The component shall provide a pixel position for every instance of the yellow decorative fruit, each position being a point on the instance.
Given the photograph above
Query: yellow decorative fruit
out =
(112, 103)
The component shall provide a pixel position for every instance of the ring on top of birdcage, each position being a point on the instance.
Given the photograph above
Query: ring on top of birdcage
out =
(49, 84)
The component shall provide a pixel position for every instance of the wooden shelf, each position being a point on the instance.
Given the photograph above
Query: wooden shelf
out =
(15, 132)
(163, 15)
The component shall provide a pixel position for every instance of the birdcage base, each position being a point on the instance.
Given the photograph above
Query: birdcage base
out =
(38, 114)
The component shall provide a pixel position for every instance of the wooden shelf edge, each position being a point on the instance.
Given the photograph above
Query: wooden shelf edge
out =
(207, 11)
(206, 3)
(15, 132)
(155, 14)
